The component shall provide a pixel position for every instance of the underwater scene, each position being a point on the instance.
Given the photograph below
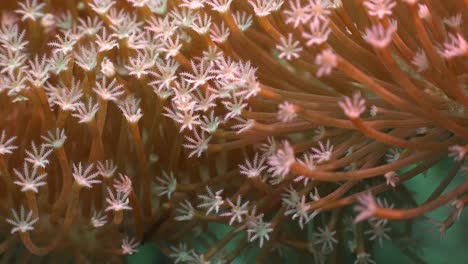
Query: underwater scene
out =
(234, 131)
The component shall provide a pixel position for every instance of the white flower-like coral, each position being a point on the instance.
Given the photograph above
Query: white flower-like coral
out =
(198, 143)
(221, 6)
(29, 179)
(458, 152)
(264, 7)
(31, 10)
(255, 168)
(56, 140)
(297, 14)
(6, 145)
(180, 253)
(106, 168)
(123, 184)
(129, 246)
(259, 230)
(280, 163)
(286, 112)
(98, 219)
(366, 207)
(326, 238)
(108, 91)
(185, 211)
(300, 210)
(101, 7)
(289, 48)
(211, 201)
(379, 36)
(86, 112)
(167, 184)
(379, 8)
(84, 178)
(318, 33)
(117, 202)
(130, 108)
(237, 211)
(326, 61)
(391, 178)
(22, 223)
(353, 106)
(323, 152)
(455, 46)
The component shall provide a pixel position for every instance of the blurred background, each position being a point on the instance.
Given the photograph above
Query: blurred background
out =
(434, 247)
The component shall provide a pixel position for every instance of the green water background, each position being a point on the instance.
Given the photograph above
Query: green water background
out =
(451, 249)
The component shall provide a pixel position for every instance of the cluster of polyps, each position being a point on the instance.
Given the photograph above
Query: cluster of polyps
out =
(270, 116)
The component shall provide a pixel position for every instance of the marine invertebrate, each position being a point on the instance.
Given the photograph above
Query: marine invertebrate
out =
(295, 110)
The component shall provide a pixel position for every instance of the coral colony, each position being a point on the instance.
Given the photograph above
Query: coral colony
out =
(294, 123)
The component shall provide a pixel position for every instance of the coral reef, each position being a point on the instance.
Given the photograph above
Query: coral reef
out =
(295, 123)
